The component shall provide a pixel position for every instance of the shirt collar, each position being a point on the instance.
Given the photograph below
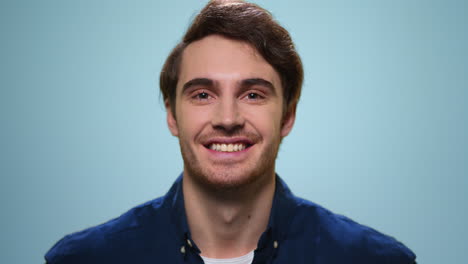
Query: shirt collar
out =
(280, 216)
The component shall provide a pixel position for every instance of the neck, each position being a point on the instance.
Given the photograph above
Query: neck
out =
(228, 224)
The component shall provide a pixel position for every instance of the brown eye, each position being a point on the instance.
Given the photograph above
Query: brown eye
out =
(202, 95)
(253, 96)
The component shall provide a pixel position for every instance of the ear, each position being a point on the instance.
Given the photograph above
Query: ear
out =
(171, 120)
(288, 122)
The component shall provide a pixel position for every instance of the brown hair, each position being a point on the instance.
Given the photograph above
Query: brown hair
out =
(247, 22)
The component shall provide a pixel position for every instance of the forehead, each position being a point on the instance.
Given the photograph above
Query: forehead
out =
(224, 60)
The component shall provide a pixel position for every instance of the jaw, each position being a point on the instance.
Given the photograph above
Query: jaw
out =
(215, 167)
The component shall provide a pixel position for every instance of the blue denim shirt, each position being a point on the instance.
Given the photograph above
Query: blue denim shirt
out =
(298, 231)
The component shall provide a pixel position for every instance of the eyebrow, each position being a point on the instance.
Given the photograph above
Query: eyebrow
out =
(196, 82)
(259, 81)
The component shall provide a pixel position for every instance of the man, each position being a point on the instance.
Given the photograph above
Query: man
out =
(230, 88)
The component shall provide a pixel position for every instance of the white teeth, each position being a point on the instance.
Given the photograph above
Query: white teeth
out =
(227, 147)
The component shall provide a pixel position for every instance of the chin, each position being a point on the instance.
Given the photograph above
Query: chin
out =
(224, 179)
(228, 177)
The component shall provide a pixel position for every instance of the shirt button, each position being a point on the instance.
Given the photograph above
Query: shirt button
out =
(275, 244)
(182, 250)
(189, 243)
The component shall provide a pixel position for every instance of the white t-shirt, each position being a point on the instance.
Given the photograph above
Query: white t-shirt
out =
(246, 259)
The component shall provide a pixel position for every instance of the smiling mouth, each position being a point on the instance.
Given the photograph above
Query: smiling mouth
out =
(222, 147)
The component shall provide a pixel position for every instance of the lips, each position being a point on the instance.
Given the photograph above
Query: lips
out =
(227, 147)
(236, 144)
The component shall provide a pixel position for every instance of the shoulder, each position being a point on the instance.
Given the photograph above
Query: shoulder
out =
(340, 238)
(101, 240)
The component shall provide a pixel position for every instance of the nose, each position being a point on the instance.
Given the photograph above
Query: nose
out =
(227, 115)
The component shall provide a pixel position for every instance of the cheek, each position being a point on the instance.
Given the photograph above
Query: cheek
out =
(266, 121)
(192, 120)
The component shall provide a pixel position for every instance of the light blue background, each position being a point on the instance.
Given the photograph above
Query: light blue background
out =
(381, 132)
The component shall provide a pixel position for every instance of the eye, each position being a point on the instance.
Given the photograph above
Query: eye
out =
(252, 96)
(202, 96)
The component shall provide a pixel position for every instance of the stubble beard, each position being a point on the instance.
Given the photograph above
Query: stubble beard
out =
(221, 178)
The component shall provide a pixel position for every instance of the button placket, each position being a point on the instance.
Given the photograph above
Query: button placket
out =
(182, 250)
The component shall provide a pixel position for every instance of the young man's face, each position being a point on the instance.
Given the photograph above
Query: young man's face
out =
(228, 113)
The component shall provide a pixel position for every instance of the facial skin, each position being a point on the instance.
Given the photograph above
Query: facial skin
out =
(228, 94)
